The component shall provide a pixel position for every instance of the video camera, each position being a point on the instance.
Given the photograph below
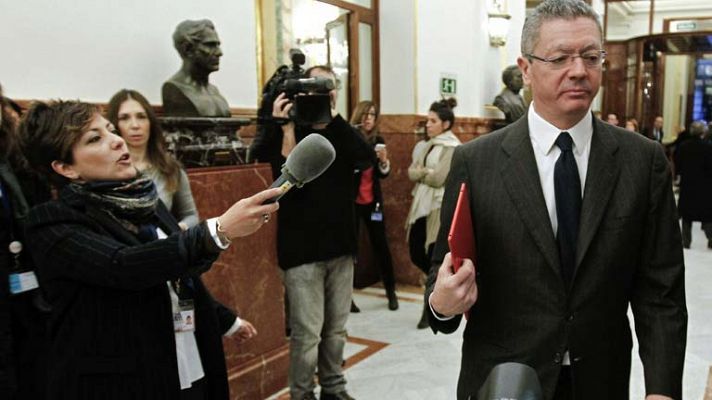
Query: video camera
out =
(310, 96)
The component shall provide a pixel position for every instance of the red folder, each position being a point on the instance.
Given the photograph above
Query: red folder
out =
(461, 237)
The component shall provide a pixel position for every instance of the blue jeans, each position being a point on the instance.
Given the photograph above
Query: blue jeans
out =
(319, 301)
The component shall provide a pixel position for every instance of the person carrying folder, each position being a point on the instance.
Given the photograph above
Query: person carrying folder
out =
(574, 220)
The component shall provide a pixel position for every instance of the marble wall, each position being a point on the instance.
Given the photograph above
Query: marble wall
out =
(398, 132)
(246, 278)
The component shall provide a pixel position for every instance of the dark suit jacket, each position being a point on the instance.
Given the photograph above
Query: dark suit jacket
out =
(111, 326)
(628, 251)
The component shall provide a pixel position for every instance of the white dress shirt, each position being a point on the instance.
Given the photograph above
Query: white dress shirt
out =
(543, 135)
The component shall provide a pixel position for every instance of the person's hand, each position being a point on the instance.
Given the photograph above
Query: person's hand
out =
(281, 106)
(248, 215)
(657, 397)
(454, 293)
(183, 226)
(382, 155)
(246, 332)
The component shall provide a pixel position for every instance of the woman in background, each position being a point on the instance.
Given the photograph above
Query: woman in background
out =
(131, 318)
(133, 116)
(428, 172)
(631, 124)
(369, 197)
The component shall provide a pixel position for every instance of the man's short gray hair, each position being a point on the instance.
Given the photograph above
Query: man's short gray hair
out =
(697, 128)
(554, 9)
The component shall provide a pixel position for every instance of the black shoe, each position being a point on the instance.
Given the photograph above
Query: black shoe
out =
(309, 396)
(424, 323)
(392, 300)
(354, 307)
(336, 396)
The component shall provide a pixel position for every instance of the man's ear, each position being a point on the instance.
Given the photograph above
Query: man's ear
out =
(64, 169)
(524, 65)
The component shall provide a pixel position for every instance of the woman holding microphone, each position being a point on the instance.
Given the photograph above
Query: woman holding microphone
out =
(131, 318)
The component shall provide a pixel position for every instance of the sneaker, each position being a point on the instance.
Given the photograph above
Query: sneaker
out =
(336, 396)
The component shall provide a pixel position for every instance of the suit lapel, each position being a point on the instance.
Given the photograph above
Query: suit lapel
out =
(603, 170)
(521, 178)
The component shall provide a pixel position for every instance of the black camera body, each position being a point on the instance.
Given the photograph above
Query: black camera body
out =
(310, 96)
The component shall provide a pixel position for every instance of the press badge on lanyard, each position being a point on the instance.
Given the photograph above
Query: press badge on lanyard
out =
(377, 214)
(20, 281)
(184, 318)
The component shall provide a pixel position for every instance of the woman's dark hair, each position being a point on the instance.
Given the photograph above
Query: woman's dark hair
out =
(361, 110)
(443, 109)
(49, 131)
(156, 150)
(634, 122)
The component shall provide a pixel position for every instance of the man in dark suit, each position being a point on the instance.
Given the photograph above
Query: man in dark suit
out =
(574, 220)
(656, 132)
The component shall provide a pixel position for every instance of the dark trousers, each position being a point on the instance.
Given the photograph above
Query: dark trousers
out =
(377, 235)
(564, 388)
(195, 392)
(416, 246)
(687, 231)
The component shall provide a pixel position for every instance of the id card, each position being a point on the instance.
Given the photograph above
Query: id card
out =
(377, 216)
(184, 318)
(23, 282)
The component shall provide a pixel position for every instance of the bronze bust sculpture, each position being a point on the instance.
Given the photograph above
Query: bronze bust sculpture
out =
(188, 93)
(509, 100)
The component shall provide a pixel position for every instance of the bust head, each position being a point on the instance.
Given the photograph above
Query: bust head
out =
(512, 77)
(198, 44)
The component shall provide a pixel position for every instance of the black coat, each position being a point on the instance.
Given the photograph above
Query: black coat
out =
(111, 327)
(694, 165)
(23, 317)
(317, 221)
(629, 251)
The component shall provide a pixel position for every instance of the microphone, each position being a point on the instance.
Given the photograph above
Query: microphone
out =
(511, 381)
(309, 159)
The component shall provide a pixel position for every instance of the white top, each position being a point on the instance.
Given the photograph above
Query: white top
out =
(190, 367)
(543, 136)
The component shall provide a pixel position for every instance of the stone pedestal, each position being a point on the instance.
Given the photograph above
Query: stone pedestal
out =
(246, 277)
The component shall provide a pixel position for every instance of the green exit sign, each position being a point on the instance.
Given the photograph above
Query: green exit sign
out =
(686, 26)
(448, 86)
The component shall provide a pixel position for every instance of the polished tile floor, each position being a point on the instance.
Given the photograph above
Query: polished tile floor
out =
(388, 358)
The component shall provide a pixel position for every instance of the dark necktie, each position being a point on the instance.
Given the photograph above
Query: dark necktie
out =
(567, 189)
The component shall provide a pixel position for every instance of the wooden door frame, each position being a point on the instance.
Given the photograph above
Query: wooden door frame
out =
(369, 16)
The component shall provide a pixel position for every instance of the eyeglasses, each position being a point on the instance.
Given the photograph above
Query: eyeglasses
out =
(591, 59)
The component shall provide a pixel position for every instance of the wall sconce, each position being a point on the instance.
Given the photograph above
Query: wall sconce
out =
(498, 27)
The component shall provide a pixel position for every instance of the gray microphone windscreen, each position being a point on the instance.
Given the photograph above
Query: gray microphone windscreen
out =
(511, 381)
(310, 158)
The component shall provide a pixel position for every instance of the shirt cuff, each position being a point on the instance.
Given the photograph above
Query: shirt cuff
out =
(439, 317)
(234, 328)
(213, 228)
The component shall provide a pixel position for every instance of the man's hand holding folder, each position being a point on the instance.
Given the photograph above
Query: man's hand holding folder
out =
(456, 288)
(454, 292)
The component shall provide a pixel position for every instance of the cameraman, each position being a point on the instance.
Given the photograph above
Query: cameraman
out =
(316, 241)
